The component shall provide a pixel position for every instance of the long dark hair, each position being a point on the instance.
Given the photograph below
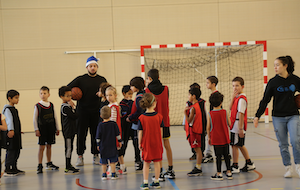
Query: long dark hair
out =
(287, 60)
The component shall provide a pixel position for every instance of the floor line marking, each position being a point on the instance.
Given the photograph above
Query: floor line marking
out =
(77, 183)
(173, 184)
(259, 177)
(267, 137)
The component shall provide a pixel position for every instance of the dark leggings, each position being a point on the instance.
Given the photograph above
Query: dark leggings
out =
(219, 151)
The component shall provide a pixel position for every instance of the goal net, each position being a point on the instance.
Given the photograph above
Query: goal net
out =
(179, 67)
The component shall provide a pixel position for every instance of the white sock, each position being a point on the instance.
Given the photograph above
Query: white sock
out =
(145, 181)
(122, 166)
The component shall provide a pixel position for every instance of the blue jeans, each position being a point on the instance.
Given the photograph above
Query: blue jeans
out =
(283, 125)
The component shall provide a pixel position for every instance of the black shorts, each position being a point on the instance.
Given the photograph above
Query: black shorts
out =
(166, 133)
(47, 139)
(236, 140)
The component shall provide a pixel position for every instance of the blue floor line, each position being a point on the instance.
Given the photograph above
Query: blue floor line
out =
(173, 184)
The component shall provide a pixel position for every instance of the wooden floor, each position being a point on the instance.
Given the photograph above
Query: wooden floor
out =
(261, 143)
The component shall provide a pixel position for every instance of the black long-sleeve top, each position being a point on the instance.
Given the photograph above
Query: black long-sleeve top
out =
(68, 120)
(89, 86)
(282, 90)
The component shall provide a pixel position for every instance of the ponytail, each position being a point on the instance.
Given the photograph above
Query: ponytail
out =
(287, 60)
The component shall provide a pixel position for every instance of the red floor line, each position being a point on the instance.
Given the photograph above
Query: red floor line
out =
(77, 183)
(259, 177)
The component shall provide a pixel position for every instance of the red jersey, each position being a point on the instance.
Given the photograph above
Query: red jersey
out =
(234, 111)
(118, 121)
(162, 105)
(152, 140)
(134, 105)
(219, 128)
(197, 123)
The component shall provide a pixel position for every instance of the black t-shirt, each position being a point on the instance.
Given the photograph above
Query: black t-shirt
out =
(68, 120)
(282, 90)
(89, 87)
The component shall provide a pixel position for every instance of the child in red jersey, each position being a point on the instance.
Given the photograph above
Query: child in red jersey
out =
(161, 94)
(194, 128)
(150, 127)
(218, 135)
(111, 97)
(238, 127)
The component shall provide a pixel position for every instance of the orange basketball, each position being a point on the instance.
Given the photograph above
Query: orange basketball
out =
(76, 93)
(297, 101)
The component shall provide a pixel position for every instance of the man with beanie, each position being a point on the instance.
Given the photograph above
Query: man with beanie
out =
(88, 109)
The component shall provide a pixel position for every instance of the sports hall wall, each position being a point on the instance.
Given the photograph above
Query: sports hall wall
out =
(34, 34)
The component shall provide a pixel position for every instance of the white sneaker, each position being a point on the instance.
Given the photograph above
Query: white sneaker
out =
(96, 159)
(79, 161)
(298, 169)
(289, 171)
(108, 172)
(235, 170)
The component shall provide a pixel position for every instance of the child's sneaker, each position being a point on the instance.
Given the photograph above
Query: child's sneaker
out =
(118, 165)
(235, 169)
(104, 176)
(96, 159)
(217, 177)
(51, 166)
(138, 166)
(195, 172)
(155, 185)
(108, 171)
(20, 172)
(71, 171)
(161, 177)
(289, 171)
(248, 167)
(170, 174)
(10, 173)
(298, 169)
(208, 158)
(144, 186)
(114, 176)
(124, 172)
(39, 169)
(79, 161)
(229, 175)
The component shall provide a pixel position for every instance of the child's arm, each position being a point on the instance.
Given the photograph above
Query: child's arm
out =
(241, 123)
(228, 119)
(140, 139)
(56, 122)
(208, 128)
(71, 113)
(10, 123)
(35, 123)
(3, 126)
(189, 118)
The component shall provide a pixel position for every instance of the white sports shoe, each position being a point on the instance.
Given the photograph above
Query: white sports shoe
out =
(298, 169)
(289, 171)
(79, 161)
(96, 159)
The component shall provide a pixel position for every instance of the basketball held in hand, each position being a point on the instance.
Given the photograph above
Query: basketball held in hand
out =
(76, 93)
(297, 101)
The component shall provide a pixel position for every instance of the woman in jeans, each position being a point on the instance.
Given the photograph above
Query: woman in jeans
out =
(285, 113)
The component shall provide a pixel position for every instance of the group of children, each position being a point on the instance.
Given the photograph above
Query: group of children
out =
(145, 121)
(216, 125)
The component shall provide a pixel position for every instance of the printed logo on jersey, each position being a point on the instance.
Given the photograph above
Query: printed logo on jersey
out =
(286, 89)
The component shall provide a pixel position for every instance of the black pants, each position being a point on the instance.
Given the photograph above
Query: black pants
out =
(219, 151)
(68, 150)
(12, 156)
(85, 121)
(135, 144)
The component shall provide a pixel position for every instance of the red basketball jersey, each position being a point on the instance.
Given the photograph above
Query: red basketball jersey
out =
(162, 105)
(197, 124)
(234, 111)
(219, 128)
(118, 121)
(152, 139)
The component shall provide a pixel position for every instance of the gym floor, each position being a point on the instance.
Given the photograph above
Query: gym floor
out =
(261, 143)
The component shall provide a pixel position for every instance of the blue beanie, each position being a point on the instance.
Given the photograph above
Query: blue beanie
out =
(90, 60)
